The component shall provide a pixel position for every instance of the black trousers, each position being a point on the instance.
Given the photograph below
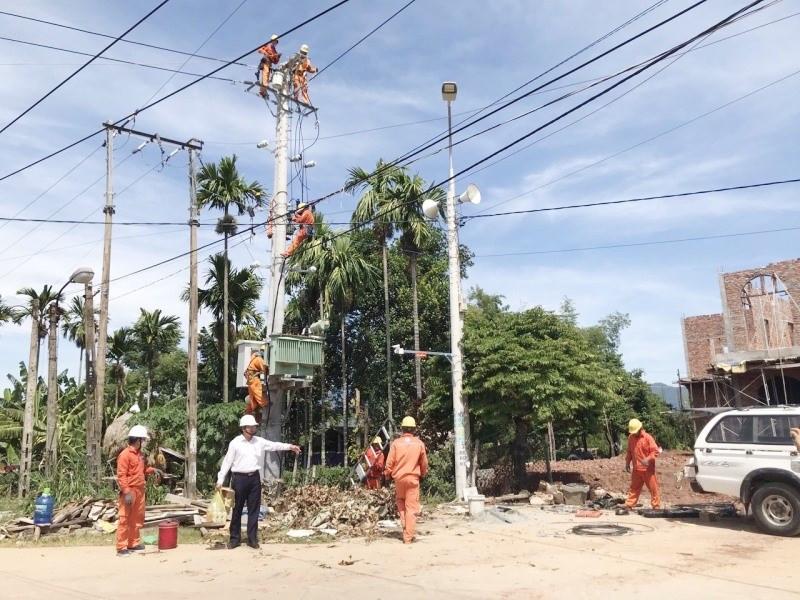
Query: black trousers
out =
(247, 488)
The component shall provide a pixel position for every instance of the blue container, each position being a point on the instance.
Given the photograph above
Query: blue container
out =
(43, 512)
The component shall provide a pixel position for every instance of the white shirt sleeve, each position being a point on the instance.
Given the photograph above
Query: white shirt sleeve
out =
(271, 446)
(227, 463)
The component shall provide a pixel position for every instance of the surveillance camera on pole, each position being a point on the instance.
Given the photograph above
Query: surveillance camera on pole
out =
(263, 144)
(397, 349)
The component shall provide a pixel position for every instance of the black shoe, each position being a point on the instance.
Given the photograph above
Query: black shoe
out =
(123, 552)
(138, 548)
(254, 545)
(232, 545)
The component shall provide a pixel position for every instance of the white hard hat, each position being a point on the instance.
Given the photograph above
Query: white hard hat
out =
(247, 420)
(139, 431)
(304, 49)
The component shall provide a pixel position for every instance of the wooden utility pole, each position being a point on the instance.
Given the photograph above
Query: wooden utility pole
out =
(51, 448)
(30, 404)
(191, 391)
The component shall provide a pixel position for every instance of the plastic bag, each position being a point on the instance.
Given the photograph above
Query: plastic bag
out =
(216, 510)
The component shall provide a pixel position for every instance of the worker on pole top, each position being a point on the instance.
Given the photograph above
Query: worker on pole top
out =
(305, 218)
(270, 57)
(375, 460)
(299, 80)
(407, 463)
(255, 374)
(642, 452)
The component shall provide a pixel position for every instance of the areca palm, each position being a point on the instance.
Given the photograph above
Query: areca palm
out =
(341, 270)
(74, 328)
(6, 313)
(223, 188)
(244, 291)
(155, 335)
(121, 346)
(381, 206)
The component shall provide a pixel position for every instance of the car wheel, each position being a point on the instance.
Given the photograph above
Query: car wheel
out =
(776, 507)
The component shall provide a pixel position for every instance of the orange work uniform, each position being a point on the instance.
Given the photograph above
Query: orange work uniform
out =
(303, 217)
(131, 470)
(300, 81)
(376, 459)
(255, 391)
(407, 462)
(642, 447)
(271, 57)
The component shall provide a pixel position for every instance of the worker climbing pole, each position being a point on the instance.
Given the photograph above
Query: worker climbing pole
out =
(256, 377)
(305, 218)
(270, 57)
(300, 80)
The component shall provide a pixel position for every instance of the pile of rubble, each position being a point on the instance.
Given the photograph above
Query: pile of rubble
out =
(354, 512)
(79, 517)
(575, 494)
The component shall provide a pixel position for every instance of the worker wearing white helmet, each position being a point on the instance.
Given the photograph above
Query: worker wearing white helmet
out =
(245, 459)
(305, 220)
(131, 472)
(270, 57)
(299, 79)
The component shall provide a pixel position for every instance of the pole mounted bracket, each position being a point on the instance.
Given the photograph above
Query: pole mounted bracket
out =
(109, 210)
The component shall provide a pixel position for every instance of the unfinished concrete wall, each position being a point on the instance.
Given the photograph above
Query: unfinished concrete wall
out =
(762, 306)
(704, 337)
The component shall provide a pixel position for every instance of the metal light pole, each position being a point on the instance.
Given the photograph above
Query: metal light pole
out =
(449, 91)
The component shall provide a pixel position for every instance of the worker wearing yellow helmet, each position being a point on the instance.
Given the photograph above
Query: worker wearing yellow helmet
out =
(407, 463)
(642, 452)
(270, 57)
(305, 218)
(299, 78)
(255, 375)
(374, 459)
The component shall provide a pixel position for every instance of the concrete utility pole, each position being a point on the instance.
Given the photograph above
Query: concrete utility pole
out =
(277, 282)
(191, 387)
(102, 338)
(51, 448)
(456, 325)
(89, 349)
(30, 402)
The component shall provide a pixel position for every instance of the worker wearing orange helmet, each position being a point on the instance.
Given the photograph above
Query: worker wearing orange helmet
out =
(255, 386)
(407, 463)
(305, 218)
(131, 471)
(375, 459)
(299, 79)
(642, 452)
(270, 57)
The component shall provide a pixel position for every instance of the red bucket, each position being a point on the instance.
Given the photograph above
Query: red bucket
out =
(168, 535)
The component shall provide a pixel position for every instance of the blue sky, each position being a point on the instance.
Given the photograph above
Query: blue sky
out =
(393, 78)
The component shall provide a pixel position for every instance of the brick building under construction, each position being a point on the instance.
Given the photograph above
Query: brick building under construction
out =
(750, 353)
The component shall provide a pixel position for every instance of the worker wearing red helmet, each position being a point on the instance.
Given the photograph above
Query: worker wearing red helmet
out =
(642, 452)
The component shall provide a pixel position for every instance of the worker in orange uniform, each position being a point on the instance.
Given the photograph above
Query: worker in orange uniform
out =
(131, 471)
(375, 460)
(299, 80)
(271, 57)
(305, 218)
(255, 390)
(407, 463)
(642, 452)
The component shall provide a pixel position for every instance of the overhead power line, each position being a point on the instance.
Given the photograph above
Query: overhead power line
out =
(111, 37)
(81, 68)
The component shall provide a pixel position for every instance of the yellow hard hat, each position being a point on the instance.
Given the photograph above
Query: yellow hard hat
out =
(378, 440)
(408, 422)
(634, 425)
(304, 49)
(274, 38)
(262, 347)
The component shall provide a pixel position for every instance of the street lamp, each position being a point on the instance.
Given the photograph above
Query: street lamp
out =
(82, 275)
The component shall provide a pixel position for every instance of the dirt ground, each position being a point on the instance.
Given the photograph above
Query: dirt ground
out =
(609, 474)
(454, 558)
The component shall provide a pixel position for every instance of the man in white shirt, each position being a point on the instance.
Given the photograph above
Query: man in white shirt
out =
(245, 459)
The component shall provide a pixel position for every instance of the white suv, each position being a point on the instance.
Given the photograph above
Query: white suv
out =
(749, 453)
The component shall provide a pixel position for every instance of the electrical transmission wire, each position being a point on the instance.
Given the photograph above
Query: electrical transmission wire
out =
(81, 68)
(111, 37)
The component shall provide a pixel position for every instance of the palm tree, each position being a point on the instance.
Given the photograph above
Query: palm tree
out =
(121, 345)
(155, 335)
(222, 187)
(380, 205)
(416, 233)
(73, 327)
(35, 309)
(6, 313)
(244, 291)
(341, 271)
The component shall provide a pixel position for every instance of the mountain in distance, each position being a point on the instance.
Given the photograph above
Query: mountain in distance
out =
(668, 393)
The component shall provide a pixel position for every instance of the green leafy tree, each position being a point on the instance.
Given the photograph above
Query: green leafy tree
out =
(156, 334)
(220, 186)
(73, 327)
(122, 346)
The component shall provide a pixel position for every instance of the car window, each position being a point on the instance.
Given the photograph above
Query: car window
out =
(774, 429)
(735, 429)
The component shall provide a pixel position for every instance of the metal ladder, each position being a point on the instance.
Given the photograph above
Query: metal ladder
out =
(359, 471)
